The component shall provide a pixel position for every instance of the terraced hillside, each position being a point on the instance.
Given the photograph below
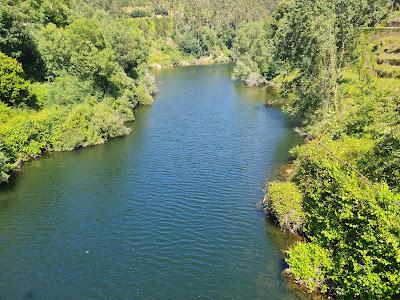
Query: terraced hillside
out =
(386, 48)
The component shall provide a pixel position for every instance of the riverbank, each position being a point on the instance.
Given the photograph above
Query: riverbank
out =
(190, 61)
(61, 101)
(125, 114)
(344, 181)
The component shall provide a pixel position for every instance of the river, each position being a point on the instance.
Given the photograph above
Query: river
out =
(169, 212)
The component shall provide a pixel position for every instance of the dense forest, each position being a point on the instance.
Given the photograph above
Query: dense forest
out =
(72, 71)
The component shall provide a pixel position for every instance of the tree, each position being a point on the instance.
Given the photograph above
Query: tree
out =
(130, 48)
(304, 40)
(253, 52)
(16, 40)
(83, 49)
(13, 86)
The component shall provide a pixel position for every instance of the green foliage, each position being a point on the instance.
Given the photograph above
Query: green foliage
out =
(16, 39)
(46, 11)
(383, 162)
(356, 221)
(284, 201)
(139, 13)
(142, 95)
(304, 41)
(67, 90)
(13, 35)
(307, 45)
(310, 265)
(131, 49)
(94, 51)
(5, 167)
(222, 20)
(154, 28)
(40, 91)
(252, 51)
(13, 87)
(165, 53)
(95, 69)
(201, 42)
(190, 44)
(88, 124)
(27, 134)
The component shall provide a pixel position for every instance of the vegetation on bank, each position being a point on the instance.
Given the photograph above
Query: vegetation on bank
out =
(71, 71)
(339, 81)
(284, 201)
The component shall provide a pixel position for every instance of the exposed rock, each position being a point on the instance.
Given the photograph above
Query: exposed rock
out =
(184, 63)
(204, 61)
(156, 66)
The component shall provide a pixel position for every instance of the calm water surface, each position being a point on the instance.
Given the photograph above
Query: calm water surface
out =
(169, 212)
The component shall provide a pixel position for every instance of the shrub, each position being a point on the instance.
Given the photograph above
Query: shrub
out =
(6, 166)
(161, 10)
(284, 201)
(142, 95)
(40, 90)
(6, 112)
(68, 90)
(139, 13)
(13, 86)
(189, 44)
(357, 221)
(87, 124)
(310, 264)
(27, 134)
(383, 162)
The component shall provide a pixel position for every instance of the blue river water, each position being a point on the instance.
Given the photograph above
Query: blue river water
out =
(169, 212)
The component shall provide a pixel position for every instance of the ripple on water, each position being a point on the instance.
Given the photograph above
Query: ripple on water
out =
(169, 212)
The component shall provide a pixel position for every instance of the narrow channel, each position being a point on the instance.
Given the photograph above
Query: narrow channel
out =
(168, 212)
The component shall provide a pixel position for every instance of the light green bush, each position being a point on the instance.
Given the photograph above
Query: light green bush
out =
(87, 124)
(310, 265)
(67, 90)
(284, 201)
(357, 221)
(13, 87)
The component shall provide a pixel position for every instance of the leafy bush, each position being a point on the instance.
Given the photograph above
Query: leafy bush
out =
(190, 44)
(165, 54)
(13, 87)
(68, 90)
(89, 123)
(200, 42)
(161, 10)
(6, 166)
(40, 90)
(252, 51)
(27, 134)
(16, 39)
(284, 201)
(139, 13)
(56, 12)
(129, 46)
(358, 222)
(310, 265)
(102, 53)
(383, 162)
(142, 95)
